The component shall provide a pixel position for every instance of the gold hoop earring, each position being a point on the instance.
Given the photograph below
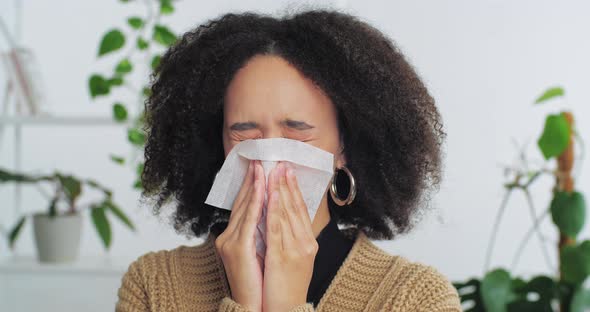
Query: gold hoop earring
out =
(334, 192)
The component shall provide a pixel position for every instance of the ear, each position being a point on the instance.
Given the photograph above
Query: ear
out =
(340, 158)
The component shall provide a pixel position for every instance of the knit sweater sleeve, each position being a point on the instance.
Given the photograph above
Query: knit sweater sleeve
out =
(229, 305)
(442, 295)
(132, 293)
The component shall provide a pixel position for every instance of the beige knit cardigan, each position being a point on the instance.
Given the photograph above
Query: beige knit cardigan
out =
(193, 279)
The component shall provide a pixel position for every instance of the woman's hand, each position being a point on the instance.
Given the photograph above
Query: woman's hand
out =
(236, 245)
(291, 245)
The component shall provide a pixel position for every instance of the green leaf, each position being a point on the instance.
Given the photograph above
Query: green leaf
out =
(146, 91)
(111, 41)
(72, 186)
(135, 22)
(142, 44)
(119, 214)
(93, 183)
(97, 185)
(549, 94)
(156, 61)
(13, 234)
(136, 136)
(580, 300)
(543, 286)
(555, 137)
(568, 211)
(6, 176)
(98, 85)
(137, 184)
(119, 112)
(575, 262)
(52, 210)
(124, 67)
(163, 35)
(495, 290)
(101, 223)
(470, 293)
(115, 81)
(118, 159)
(166, 7)
(140, 167)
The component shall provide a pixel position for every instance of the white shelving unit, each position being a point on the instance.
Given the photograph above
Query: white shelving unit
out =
(18, 122)
(89, 284)
(55, 287)
(99, 265)
(59, 120)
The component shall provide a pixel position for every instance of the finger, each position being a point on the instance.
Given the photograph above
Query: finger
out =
(287, 238)
(260, 262)
(244, 195)
(290, 211)
(242, 210)
(258, 164)
(273, 224)
(246, 184)
(273, 178)
(287, 230)
(297, 196)
(250, 218)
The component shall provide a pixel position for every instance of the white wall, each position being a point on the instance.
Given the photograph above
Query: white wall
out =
(484, 62)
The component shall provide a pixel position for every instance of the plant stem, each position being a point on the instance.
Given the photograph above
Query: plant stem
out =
(6, 33)
(563, 176)
(495, 228)
(536, 227)
(525, 240)
(565, 183)
(580, 159)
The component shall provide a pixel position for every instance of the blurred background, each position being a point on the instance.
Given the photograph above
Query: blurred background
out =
(71, 91)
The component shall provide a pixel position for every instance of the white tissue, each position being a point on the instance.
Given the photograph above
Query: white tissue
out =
(313, 168)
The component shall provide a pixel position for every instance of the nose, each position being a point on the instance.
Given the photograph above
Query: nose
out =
(272, 132)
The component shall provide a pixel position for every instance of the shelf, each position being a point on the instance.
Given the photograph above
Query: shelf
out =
(97, 265)
(60, 120)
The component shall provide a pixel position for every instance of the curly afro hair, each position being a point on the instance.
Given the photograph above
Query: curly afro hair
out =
(389, 125)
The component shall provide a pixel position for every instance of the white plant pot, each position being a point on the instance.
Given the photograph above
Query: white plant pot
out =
(57, 238)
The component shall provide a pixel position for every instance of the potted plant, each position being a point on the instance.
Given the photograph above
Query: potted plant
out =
(57, 231)
(137, 46)
(501, 291)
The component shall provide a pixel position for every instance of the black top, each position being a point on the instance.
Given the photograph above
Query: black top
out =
(333, 249)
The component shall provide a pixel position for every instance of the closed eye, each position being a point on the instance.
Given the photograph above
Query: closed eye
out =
(297, 125)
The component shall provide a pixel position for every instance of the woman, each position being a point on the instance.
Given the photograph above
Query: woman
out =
(322, 77)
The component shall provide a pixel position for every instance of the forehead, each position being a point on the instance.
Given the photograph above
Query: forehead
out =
(268, 83)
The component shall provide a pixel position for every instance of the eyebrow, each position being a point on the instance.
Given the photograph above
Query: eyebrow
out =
(290, 123)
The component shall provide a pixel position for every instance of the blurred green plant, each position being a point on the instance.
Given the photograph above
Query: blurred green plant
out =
(141, 43)
(68, 190)
(498, 290)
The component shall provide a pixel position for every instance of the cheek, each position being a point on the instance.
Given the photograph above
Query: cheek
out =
(328, 143)
(227, 145)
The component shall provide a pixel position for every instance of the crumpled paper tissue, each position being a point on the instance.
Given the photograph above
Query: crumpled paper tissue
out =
(313, 168)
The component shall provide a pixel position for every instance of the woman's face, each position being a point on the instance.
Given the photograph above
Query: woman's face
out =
(269, 98)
